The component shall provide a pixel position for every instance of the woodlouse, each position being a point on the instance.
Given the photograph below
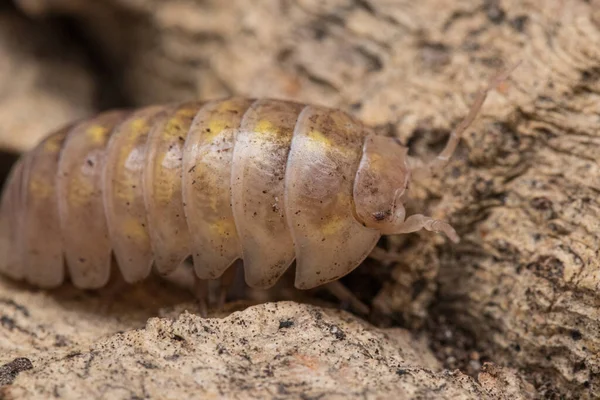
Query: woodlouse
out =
(264, 181)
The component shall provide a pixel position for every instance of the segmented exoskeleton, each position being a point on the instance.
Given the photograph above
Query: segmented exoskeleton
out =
(264, 181)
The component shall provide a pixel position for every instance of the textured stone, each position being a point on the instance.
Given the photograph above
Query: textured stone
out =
(269, 351)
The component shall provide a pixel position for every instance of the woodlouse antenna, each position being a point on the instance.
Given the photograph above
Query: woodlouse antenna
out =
(495, 81)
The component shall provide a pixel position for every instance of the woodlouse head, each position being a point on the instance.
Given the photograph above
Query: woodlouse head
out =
(384, 174)
(381, 181)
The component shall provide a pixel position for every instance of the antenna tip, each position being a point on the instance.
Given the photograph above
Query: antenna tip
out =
(503, 75)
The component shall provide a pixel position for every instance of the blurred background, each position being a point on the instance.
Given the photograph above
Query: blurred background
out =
(64, 59)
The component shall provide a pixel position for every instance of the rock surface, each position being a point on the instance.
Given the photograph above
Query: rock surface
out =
(270, 351)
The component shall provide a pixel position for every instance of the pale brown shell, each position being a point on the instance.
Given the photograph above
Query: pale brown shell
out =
(265, 181)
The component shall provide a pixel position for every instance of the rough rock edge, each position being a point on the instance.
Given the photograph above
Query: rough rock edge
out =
(273, 350)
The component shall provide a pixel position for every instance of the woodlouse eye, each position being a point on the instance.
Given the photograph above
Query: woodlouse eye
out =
(380, 215)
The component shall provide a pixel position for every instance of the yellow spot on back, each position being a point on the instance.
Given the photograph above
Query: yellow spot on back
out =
(124, 188)
(176, 125)
(80, 192)
(319, 137)
(124, 152)
(265, 127)
(173, 128)
(338, 215)
(97, 134)
(376, 162)
(123, 181)
(138, 126)
(52, 145)
(164, 187)
(167, 178)
(225, 106)
(332, 226)
(39, 188)
(219, 119)
(135, 231)
(222, 227)
(215, 127)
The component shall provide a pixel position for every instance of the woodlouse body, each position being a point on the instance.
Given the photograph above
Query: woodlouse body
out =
(264, 181)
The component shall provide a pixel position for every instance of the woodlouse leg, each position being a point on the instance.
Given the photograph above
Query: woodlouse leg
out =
(183, 276)
(226, 281)
(116, 285)
(201, 292)
(343, 294)
(417, 222)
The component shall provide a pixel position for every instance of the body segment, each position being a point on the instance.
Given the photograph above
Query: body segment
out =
(11, 226)
(42, 249)
(324, 157)
(207, 186)
(83, 225)
(162, 186)
(123, 193)
(258, 190)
